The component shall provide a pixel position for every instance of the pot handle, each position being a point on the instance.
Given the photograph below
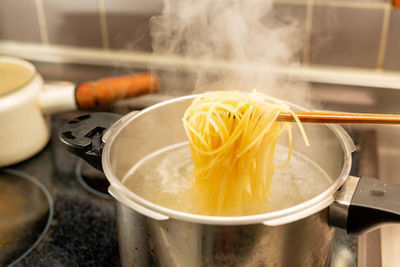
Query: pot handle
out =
(364, 203)
(83, 136)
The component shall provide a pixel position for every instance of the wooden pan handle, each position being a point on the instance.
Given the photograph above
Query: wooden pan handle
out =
(91, 94)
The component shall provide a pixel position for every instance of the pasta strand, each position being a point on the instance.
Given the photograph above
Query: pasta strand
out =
(232, 139)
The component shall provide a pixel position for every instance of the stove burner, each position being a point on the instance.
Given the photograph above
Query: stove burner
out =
(91, 179)
(26, 209)
(82, 233)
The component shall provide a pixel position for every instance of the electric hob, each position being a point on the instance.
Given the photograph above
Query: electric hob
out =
(56, 211)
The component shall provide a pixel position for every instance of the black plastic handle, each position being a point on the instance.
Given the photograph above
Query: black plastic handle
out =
(372, 202)
(83, 136)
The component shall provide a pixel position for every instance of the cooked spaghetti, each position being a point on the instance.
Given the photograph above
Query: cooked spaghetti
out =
(232, 139)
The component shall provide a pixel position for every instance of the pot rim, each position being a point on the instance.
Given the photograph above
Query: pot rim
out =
(25, 64)
(293, 213)
(27, 93)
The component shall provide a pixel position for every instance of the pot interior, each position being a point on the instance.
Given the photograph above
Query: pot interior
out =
(160, 126)
(15, 73)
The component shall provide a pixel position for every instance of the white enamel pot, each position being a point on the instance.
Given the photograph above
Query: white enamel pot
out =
(26, 103)
(24, 129)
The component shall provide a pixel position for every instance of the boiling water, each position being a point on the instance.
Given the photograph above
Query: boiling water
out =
(163, 178)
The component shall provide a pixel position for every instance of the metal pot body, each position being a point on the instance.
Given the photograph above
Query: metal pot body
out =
(144, 241)
(150, 234)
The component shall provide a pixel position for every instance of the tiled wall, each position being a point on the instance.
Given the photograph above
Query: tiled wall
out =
(348, 33)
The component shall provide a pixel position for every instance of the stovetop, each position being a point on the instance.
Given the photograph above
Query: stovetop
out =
(77, 227)
(81, 228)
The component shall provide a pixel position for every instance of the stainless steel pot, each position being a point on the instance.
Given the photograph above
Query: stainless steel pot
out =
(300, 235)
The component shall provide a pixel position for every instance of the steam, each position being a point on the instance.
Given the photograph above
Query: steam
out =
(247, 35)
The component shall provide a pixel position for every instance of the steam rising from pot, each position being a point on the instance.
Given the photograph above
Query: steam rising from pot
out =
(247, 36)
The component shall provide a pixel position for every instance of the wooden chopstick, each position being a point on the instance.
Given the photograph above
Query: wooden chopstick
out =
(341, 117)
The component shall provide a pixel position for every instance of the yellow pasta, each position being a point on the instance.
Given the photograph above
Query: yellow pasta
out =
(232, 139)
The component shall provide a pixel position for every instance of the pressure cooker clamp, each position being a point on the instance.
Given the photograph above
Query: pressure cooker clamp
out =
(83, 135)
